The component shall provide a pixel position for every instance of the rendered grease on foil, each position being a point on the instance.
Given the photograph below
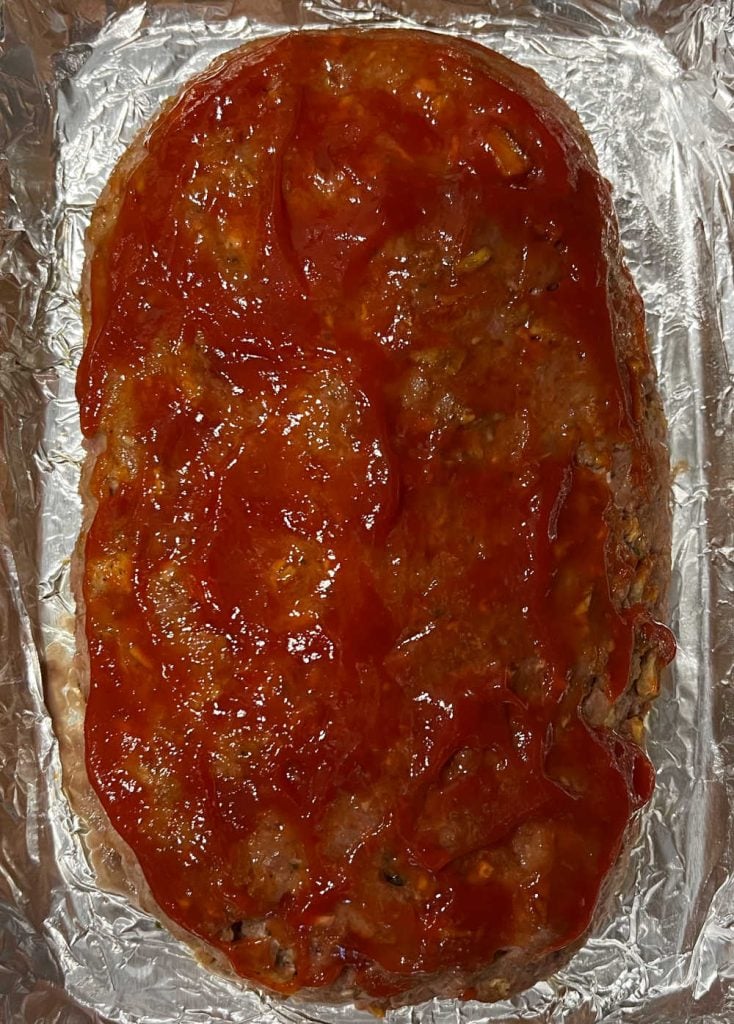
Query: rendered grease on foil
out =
(655, 89)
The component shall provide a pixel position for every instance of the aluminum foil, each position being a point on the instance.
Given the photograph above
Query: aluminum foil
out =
(653, 81)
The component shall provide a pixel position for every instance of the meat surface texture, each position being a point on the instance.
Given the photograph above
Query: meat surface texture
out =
(377, 527)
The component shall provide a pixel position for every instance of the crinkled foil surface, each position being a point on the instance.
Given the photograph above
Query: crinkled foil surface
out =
(653, 81)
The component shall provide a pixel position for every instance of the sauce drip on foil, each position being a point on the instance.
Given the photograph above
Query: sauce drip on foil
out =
(350, 581)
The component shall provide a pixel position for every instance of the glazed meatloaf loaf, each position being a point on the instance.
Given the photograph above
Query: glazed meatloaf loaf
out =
(377, 530)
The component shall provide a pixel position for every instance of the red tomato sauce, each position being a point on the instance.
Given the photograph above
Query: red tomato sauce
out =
(349, 580)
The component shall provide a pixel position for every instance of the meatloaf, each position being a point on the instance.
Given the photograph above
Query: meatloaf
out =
(377, 532)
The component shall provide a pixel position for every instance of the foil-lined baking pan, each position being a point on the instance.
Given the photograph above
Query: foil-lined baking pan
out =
(653, 82)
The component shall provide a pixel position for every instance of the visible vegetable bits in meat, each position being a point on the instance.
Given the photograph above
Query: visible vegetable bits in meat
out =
(379, 529)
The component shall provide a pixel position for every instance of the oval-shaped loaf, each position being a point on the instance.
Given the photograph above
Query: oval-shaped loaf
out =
(378, 526)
